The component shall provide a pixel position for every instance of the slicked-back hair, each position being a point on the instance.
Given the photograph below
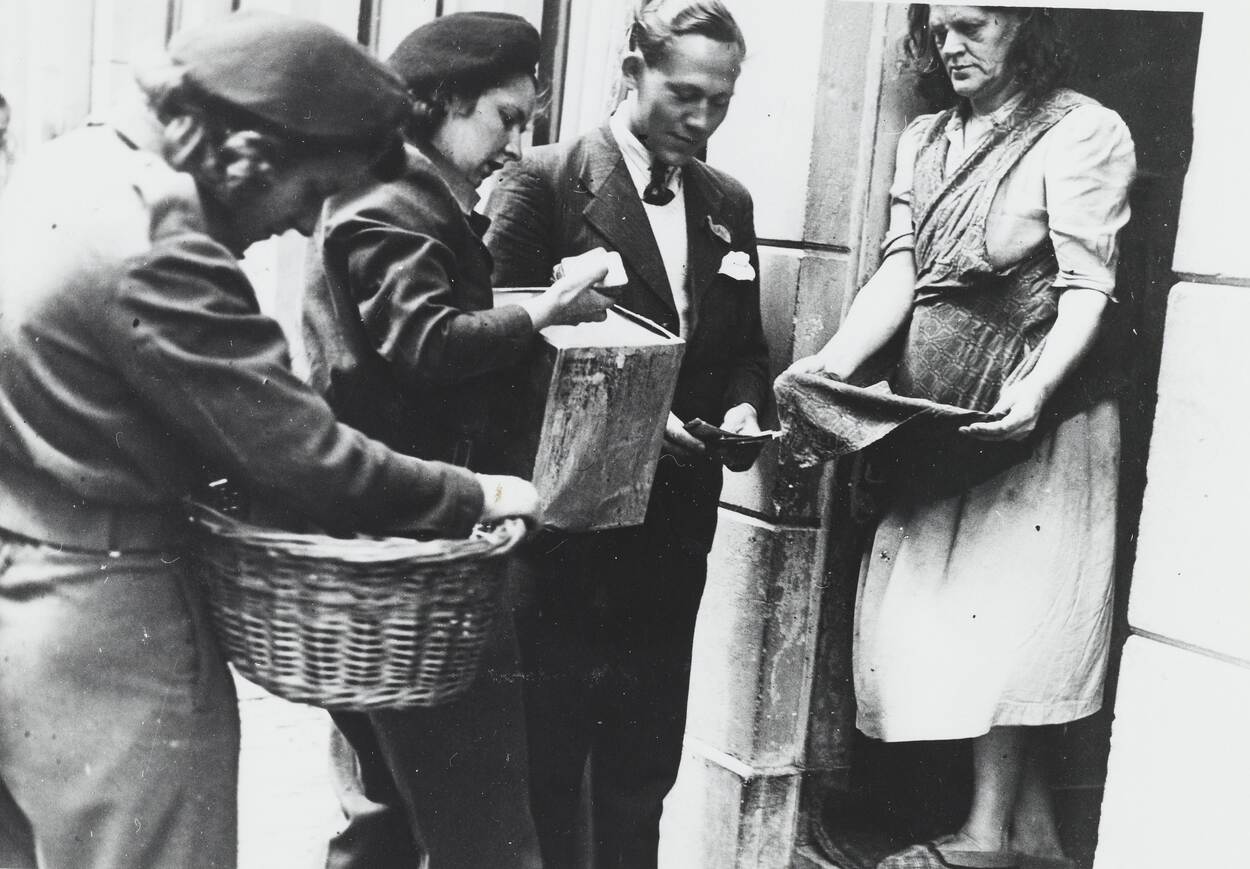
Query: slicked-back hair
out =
(657, 23)
(1040, 57)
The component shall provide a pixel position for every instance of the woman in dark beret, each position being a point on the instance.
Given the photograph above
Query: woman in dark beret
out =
(136, 360)
(404, 340)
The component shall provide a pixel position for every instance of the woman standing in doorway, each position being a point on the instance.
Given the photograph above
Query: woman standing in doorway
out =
(405, 343)
(986, 613)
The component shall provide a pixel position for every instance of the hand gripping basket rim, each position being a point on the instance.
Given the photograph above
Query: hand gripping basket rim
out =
(351, 623)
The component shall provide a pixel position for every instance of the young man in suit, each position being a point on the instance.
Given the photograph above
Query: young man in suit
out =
(607, 633)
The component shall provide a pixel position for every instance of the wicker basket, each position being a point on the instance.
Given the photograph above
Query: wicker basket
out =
(359, 623)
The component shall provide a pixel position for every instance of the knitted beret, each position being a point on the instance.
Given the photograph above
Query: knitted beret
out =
(299, 78)
(467, 52)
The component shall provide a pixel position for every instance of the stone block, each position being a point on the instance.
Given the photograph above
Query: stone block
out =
(1176, 792)
(729, 816)
(755, 640)
(1189, 579)
(831, 716)
(827, 285)
(1209, 241)
(836, 188)
(781, 271)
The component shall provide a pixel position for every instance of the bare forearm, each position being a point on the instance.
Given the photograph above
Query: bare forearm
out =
(880, 309)
(1069, 339)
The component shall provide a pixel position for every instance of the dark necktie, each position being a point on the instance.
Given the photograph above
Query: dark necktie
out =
(656, 191)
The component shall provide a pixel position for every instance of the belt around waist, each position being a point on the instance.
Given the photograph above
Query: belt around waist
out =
(37, 506)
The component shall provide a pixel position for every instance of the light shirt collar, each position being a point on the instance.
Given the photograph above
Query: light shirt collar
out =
(637, 158)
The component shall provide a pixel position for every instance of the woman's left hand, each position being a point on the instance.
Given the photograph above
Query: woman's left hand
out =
(1018, 407)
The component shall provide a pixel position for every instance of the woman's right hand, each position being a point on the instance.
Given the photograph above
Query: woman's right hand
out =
(572, 299)
(506, 497)
(881, 308)
(813, 364)
(817, 363)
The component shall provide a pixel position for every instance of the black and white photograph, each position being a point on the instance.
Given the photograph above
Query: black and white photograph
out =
(623, 434)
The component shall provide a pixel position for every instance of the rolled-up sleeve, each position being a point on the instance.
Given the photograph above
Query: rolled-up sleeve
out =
(1089, 165)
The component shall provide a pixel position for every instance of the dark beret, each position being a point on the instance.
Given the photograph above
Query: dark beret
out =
(466, 51)
(299, 78)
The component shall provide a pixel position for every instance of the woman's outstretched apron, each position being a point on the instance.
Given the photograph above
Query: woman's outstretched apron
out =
(976, 328)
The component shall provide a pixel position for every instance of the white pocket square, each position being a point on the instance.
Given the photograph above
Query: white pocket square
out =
(737, 265)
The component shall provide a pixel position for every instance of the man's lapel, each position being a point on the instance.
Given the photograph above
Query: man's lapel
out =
(707, 238)
(617, 213)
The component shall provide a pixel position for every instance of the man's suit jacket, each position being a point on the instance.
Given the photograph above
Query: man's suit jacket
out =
(568, 198)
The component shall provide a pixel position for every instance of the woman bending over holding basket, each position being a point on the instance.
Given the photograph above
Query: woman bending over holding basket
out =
(136, 360)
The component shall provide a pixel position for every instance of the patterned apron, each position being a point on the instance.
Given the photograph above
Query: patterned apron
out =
(976, 328)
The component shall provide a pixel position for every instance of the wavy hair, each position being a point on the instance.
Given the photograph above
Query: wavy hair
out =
(226, 149)
(1039, 55)
(220, 147)
(657, 23)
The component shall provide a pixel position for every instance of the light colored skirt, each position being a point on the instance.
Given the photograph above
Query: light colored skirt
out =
(994, 607)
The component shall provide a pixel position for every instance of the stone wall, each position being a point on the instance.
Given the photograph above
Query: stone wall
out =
(1175, 792)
